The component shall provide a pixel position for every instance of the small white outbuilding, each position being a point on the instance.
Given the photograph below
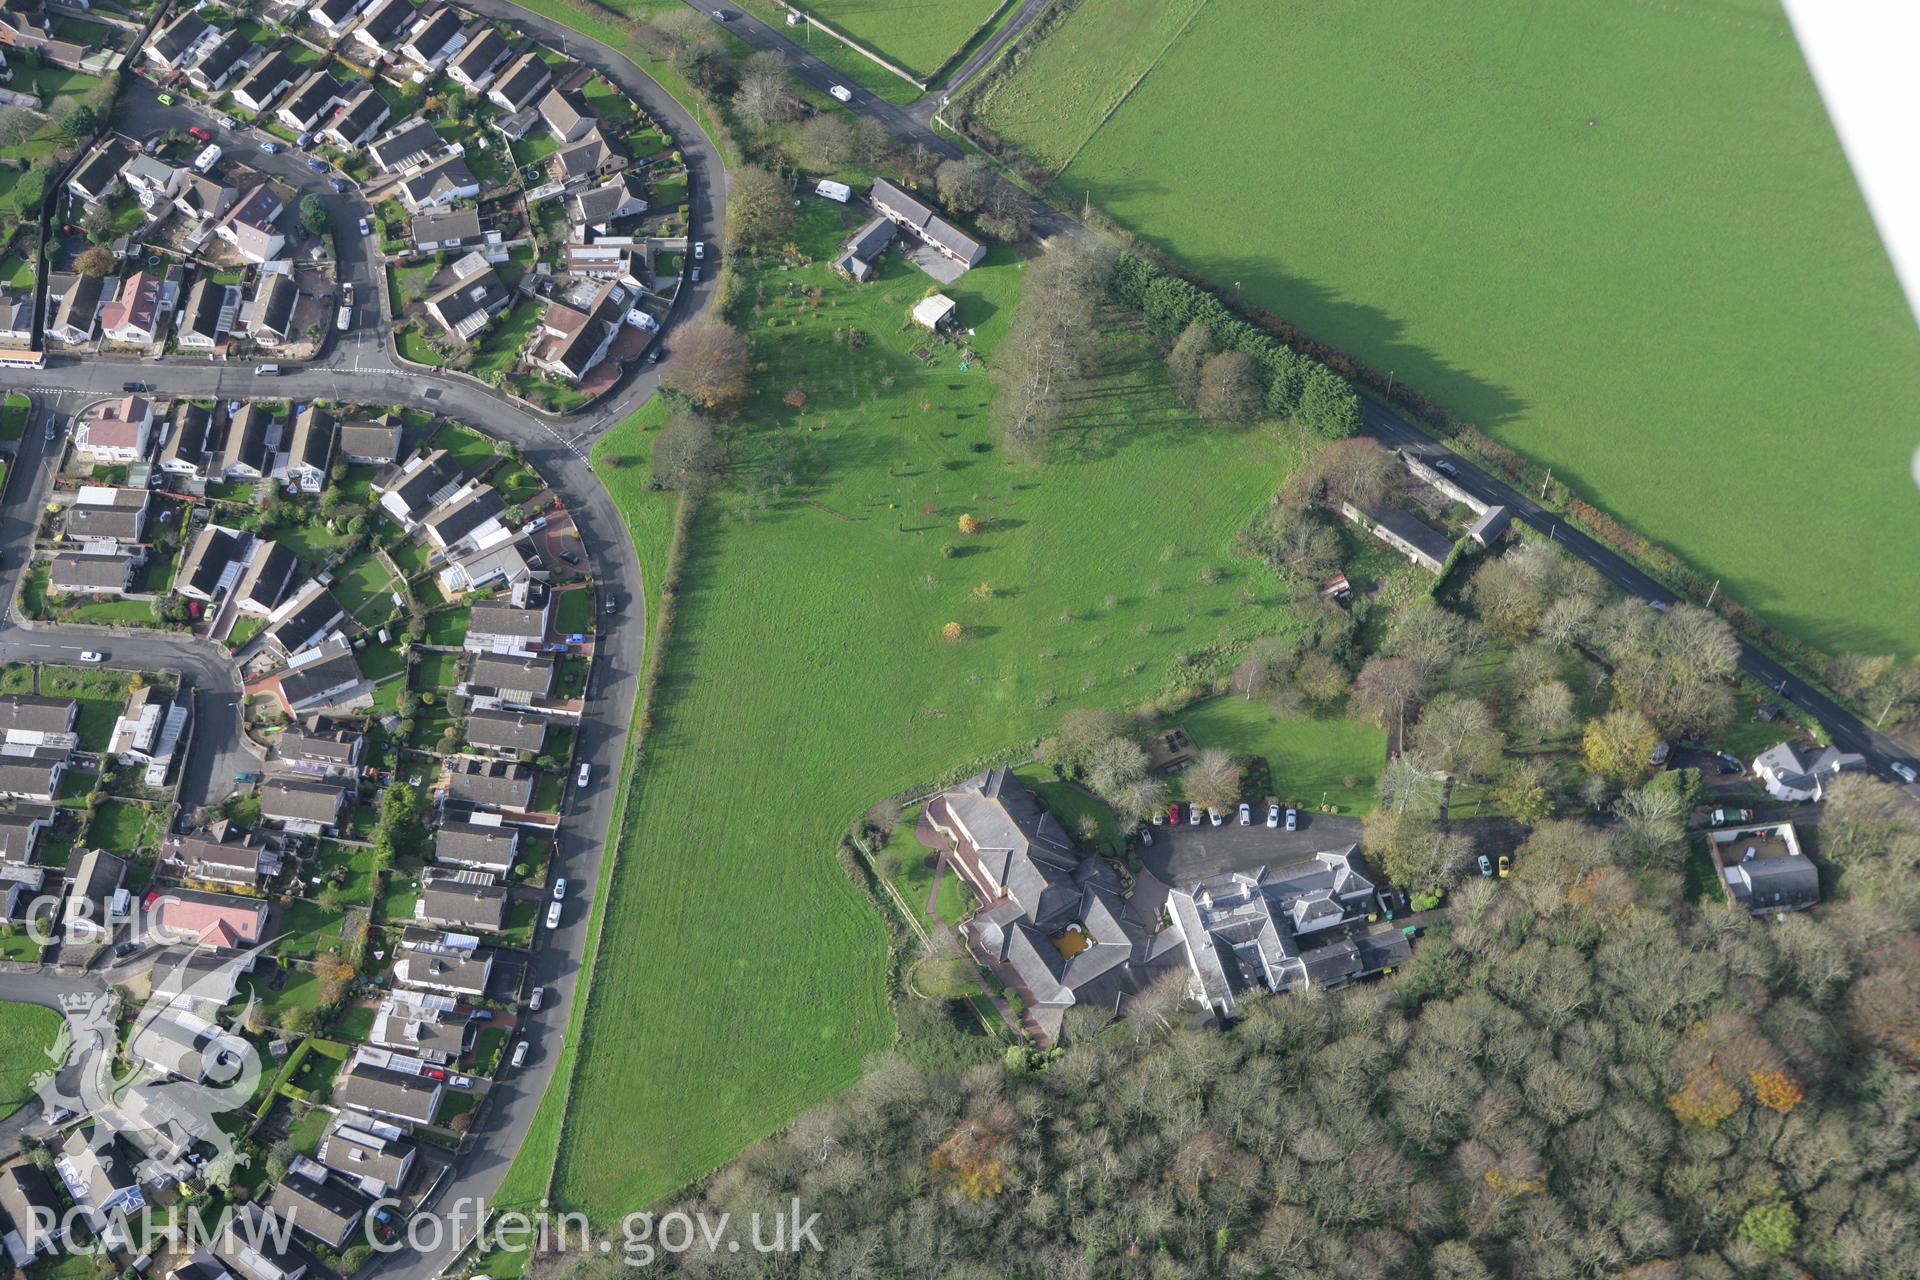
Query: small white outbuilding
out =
(935, 312)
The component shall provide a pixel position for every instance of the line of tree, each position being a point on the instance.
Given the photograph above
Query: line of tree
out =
(1290, 385)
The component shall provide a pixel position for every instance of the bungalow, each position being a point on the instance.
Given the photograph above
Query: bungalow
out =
(1803, 775)
(405, 145)
(474, 846)
(474, 65)
(100, 1180)
(308, 748)
(192, 441)
(509, 679)
(386, 22)
(209, 313)
(252, 1248)
(489, 783)
(94, 895)
(508, 732)
(148, 732)
(153, 181)
(102, 513)
(451, 901)
(175, 42)
(212, 563)
(78, 307)
(27, 26)
(31, 1211)
(202, 199)
(361, 119)
(272, 76)
(460, 973)
(308, 619)
(213, 921)
(218, 60)
(270, 318)
(435, 40)
(367, 1153)
(328, 1211)
(270, 571)
(472, 515)
(417, 486)
(1762, 868)
(332, 16)
(569, 341)
(301, 805)
(591, 157)
(476, 295)
(370, 443)
(564, 117)
(221, 857)
(312, 102)
(20, 831)
(927, 224)
(445, 229)
(501, 628)
(91, 573)
(310, 453)
(439, 186)
(522, 78)
(181, 1044)
(329, 680)
(117, 431)
(244, 454)
(382, 1091)
(16, 317)
(252, 225)
(594, 210)
(420, 1024)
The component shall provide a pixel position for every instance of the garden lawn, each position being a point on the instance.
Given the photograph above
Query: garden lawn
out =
(437, 671)
(118, 826)
(360, 580)
(415, 347)
(1310, 757)
(573, 610)
(27, 1037)
(101, 693)
(310, 543)
(504, 339)
(1069, 804)
(448, 626)
(1473, 244)
(807, 662)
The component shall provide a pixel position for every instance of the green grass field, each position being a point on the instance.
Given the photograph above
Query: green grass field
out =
(807, 663)
(27, 1034)
(919, 35)
(1313, 759)
(1619, 237)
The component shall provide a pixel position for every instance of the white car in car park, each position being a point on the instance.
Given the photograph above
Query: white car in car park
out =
(1273, 815)
(1246, 814)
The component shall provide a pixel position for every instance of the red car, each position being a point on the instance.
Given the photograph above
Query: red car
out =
(1173, 815)
(200, 133)
(435, 1073)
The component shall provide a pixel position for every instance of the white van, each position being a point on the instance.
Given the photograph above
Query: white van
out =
(841, 92)
(266, 371)
(343, 320)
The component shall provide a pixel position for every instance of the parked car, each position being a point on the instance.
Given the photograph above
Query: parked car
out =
(228, 122)
(553, 916)
(570, 557)
(339, 185)
(266, 371)
(520, 1054)
(303, 140)
(721, 15)
(1173, 814)
(1506, 865)
(586, 773)
(435, 1073)
(1445, 467)
(1146, 833)
(165, 99)
(343, 319)
(92, 655)
(534, 999)
(696, 275)
(1293, 818)
(653, 356)
(271, 148)
(126, 948)
(317, 165)
(133, 386)
(150, 147)
(1213, 816)
(1246, 814)
(613, 604)
(1159, 818)
(1193, 815)
(1905, 771)
(346, 293)
(841, 92)
(1729, 817)
(1273, 815)
(363, 226)
(51, 432)
(1486, 867)
(700, 251)
(460, 1082)
(560, 889)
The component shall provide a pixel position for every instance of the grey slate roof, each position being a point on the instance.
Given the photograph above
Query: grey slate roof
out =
(35, 712)
(505, 783)
(298, 799)
(371, 440)
(461, 904)
(506, 730)
(80, 573)
(517, 675)
(384, 1091)
(470, 844)
(328, 1211)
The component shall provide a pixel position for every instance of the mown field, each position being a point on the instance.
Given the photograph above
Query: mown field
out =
(919, 35)
(744, 973)
(1619, 237)
(27, 1034)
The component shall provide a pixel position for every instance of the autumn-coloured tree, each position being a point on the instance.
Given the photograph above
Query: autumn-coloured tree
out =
(1706, 1099)
(1776, 1090)
(710, 364)
(967, 524)
(1619, 746)
(970, 1160)
(952, 631)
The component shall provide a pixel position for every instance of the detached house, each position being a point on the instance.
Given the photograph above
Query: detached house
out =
(224, 857)
(190, 441)
(370, 443)
(493, 679)
(312, 102)
(520, 81)
(1803, 775)
(270, 319)
(310, 453)
(218, 60)
(212, 563)
(309, 618)
(472, 846)
(328, 1211)
(387, 21)
(135, 316)
(102, 513)
(446, 229)
(476, 295)
(98, 175)
(435, 40)
(208, 315)
(565, 119)
(397, 1095)
(449, 970)
(440, 185)
(118, 431)
(404, 146)
(324, 682)
(175, 42)
(74, 307)
(501, 628)
(361, 120)
(252, 225)
(593, 211)
(332, 16)
(215, 921)
(153, 181)
(571, 341)
(489, 783)
(244, 455)
(268, 577)
(591, 157)
(302, 806)
(473, 66)
(454, 902)
(91, 573)
(261, 87)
